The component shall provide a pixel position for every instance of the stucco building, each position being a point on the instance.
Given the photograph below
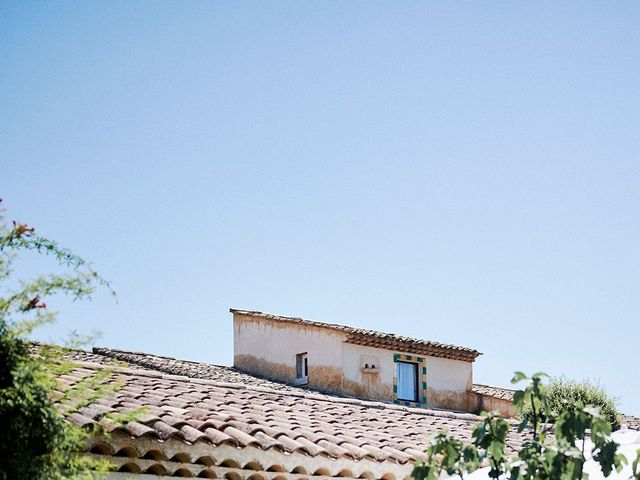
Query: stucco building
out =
(359, 363)
(305, 400)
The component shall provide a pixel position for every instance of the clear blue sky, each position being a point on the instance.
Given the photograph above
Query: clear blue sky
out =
(463, 172)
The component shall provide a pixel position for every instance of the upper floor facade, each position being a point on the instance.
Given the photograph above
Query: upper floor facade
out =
(355, 362)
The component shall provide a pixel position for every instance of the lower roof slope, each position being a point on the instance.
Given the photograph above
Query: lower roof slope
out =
(213, 412)
(198, 409)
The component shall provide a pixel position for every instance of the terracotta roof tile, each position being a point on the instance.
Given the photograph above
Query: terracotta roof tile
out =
(291, 445)
(164, 430)
(334, 450)
(247, 412)
(192, 435)
(217, 437)
(79, 419)
(312, 447)
(496, 392)
(136, 429)
(356, 451)
(631, 421)
(241, 438)
(375, 452)
(266, 442)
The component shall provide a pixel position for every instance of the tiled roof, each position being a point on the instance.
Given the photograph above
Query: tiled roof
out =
(631, 421)
(204, 420)
(372, 338)
(496, 392)
(189, 368)
(215, 414)
(228, 374)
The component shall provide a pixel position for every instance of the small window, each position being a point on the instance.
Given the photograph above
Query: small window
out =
(302, 369)
(407, 381)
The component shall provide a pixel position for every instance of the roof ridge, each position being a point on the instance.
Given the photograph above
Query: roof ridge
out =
(494, 386)
(299, 394)
(106, 351)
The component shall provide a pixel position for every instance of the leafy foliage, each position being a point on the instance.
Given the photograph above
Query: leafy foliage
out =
(563, 394)
(35, 442)
(553, 452)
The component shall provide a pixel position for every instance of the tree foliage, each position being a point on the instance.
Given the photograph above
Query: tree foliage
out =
(35, 442)
(555, 451)
(564, 394)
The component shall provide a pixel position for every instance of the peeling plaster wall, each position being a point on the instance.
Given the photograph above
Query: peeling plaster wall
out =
(365, 384)
(269, 348)
(448, 384)
(488, 403)
(447, 380)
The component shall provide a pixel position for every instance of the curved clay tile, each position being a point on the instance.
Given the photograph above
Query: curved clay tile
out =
(397, 455)
(205, 460)
(156, 469)
(267, 442)
(375, 452)
(154, 454)
(129, 468)
(182, 472)
(101, 448)
(312, 448)
(136, 429)
(345, 473)
(174, 421)
(217, 437)
(191, 434)
(291, 445)
(181, 457)
(335, 450)
(242, 438)
(253, 465)
(128, 451)
(79, 419)
(213, 422)
(357, 452)
(164, 430)
(207, 473)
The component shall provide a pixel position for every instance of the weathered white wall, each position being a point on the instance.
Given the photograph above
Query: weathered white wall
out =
(269, 348)
(367, 384)
(447, 380)
(448, 383)
(450, 375)
(488, 403)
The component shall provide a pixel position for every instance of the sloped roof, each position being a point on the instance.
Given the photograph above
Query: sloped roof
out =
(232, 414)
(188, 368)
(631, 422)
(213, 413)
(197, 410)
(372, 338)
(496, 392)
(214, 421)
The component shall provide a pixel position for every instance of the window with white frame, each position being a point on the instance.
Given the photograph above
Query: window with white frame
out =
(407, 386)
(302, 369)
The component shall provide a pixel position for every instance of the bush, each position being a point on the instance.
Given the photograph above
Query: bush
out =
(548, 452)
(35, 442)
(564, 394)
